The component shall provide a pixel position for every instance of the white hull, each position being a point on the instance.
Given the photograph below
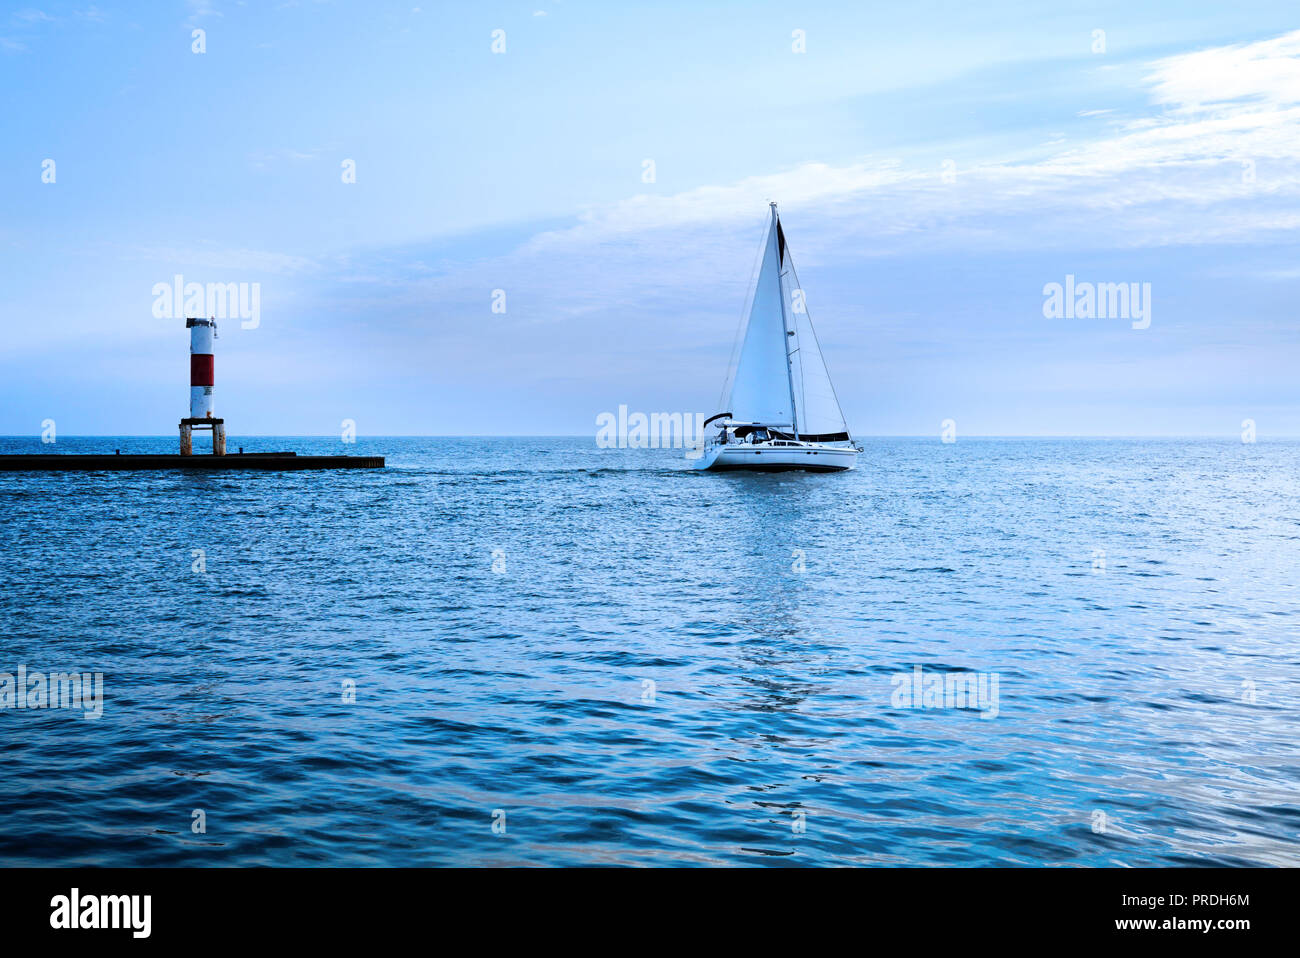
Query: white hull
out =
(765, 457)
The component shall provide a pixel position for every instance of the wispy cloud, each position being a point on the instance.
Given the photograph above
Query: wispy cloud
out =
(201, 10)
(31, 17)
(1260, 75)
(271, 158)
(1215, 159)
(230, 260)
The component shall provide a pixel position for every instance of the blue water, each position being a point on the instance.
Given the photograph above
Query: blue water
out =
(1159, 691)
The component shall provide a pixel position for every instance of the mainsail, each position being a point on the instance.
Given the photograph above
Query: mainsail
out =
(781, 378)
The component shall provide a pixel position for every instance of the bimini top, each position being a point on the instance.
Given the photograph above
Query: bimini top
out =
(743, 429)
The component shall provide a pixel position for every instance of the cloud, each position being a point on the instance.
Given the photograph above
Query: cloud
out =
(808, 184)
(201, 9)
(1262, 74)
(1162, 175)
(1215, 158)
(236, 260)
(32, 17)
(274, 158)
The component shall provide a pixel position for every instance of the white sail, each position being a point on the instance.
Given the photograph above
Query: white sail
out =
(781, 364)
(760, 389)
(816, 404)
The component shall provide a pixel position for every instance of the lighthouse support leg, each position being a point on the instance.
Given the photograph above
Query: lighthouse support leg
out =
(187, 439)
(219, 439)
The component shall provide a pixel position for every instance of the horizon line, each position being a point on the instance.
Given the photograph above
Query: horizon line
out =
(928, 437)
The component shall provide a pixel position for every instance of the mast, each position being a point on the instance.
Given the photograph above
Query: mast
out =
(785, 324)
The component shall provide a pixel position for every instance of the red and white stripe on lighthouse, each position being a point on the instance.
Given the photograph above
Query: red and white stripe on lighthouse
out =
(202, 332)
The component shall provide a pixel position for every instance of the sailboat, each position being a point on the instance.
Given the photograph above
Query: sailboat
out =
(782, 411)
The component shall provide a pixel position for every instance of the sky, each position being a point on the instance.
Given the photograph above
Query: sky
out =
(607, 168)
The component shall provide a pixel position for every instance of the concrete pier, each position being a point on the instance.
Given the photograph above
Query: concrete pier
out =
(274, 461)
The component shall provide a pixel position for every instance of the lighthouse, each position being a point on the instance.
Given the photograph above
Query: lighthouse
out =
(202, 334)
